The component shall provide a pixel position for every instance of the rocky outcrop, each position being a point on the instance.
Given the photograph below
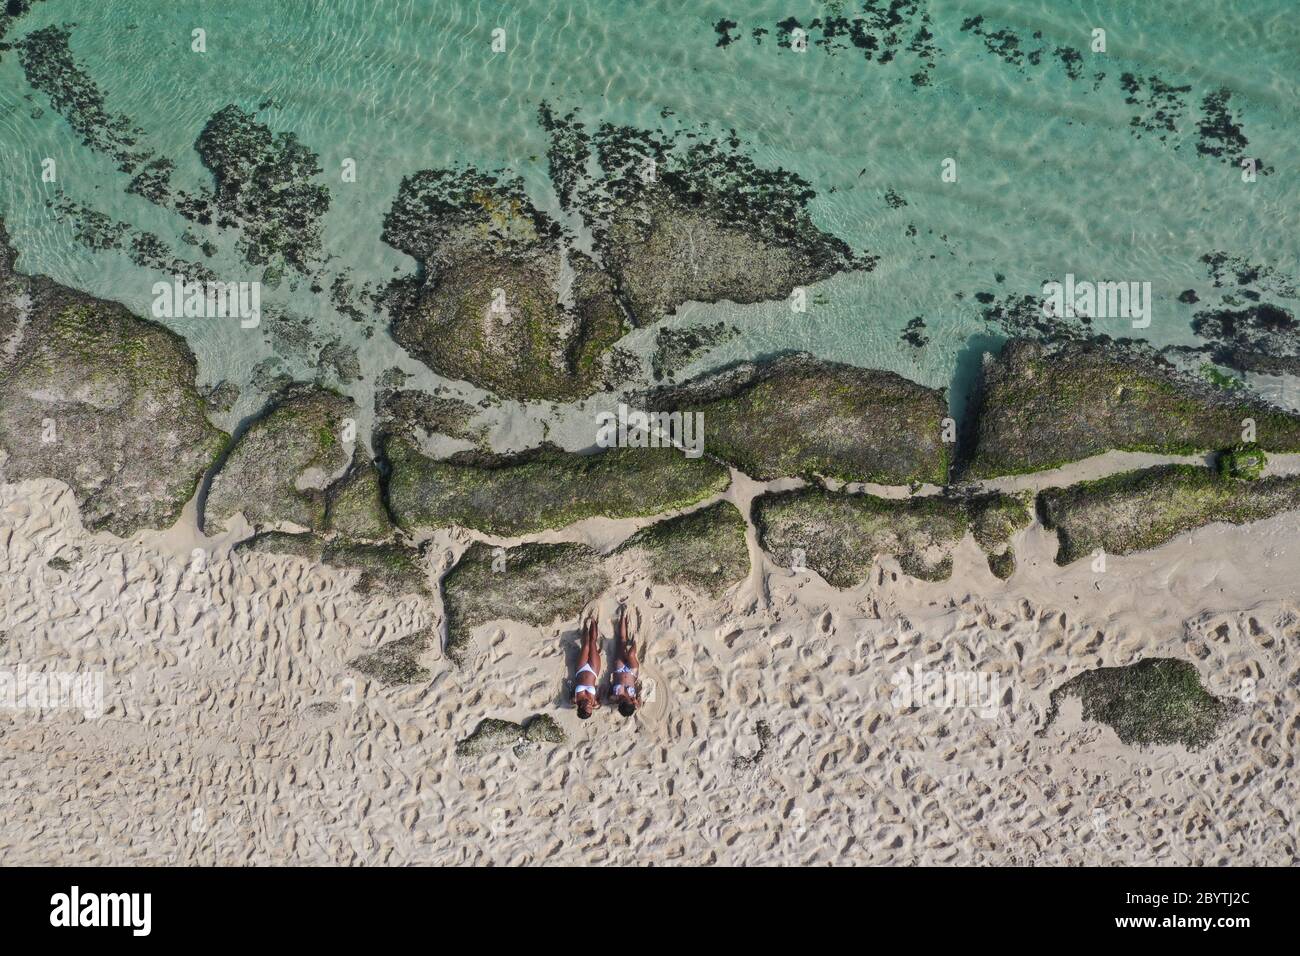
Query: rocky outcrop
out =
(1143, 509)
(543, 488)
(839, 535)
(534, 583)
(278, 469)
(1040, 408)
(101, 400)
(702, 550)
(1155, 701)
(799, 416)
(486, 305)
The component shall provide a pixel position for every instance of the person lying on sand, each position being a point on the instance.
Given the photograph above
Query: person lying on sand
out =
(623, 685)
(584, 686)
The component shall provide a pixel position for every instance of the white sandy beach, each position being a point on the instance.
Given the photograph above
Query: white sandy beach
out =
(234, 732)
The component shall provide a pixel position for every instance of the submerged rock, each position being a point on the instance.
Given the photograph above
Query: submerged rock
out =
(265, 183)
(387, 568)
(1040, 409)
(1155, 701)
(704, 550)
(677, 348)
(485, 307)
(279, 468)
(533, 583)
(1137, 510)
(101, 400)
(397, 662)
(690, 217)
(414, 414)
(543, 488)
(800, 416)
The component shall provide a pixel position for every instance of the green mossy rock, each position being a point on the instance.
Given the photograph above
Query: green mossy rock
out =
(534, 584)
(1155, 701)
(703, 550)
(493, 735)
(543, 489)
(840, 534)
(1143, 509)
(386, 568)
(490, 736)
(658, 272)
(278, 469)
(397, 662)
(994, 518)
(1245, 462)
(1042, 408)
(485, 308)
(800, 416)
(101, 400)
(355, 504)
(497, 323)
(544, 729)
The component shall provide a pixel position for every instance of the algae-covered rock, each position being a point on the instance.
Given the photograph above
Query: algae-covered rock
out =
(101, 400)
(355, 504)
(299, 545)
(543, 488)
(689, 216)
(265, 182)
(838, 535)
(544, 729)
(490, 736)
(493, 735)
(414, 414)
(397, 662)
(279, 468)
(488, 307)
(1137, 510)
(703, 550)
(533, 584)
(1245, 461)
(1155, 701)
(800, 416)
(1042, 408)
(677, 348)
(388, 568)
(994, 518)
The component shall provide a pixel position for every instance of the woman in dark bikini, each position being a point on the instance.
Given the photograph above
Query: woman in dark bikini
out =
(623, 685)
(584, 681)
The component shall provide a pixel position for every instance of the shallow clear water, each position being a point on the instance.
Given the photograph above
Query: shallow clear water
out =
(1050, 178)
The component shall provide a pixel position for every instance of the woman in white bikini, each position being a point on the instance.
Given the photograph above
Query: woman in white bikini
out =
(584, 681)
(623, 685)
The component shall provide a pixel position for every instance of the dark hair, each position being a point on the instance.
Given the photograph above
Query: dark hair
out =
(627, 708)
(584, 714)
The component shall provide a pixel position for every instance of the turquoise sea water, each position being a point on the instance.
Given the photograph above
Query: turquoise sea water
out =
(1051, 178)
